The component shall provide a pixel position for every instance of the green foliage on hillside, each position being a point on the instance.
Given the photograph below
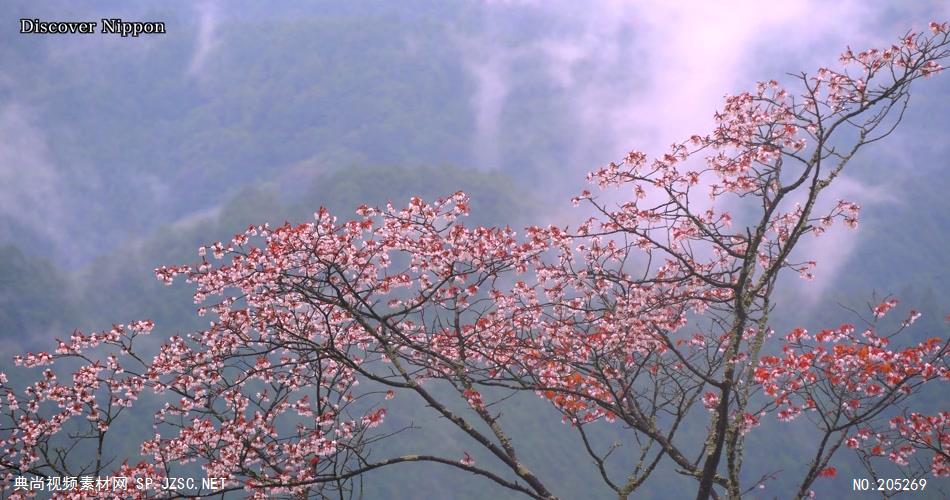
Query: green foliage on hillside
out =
(35, 300)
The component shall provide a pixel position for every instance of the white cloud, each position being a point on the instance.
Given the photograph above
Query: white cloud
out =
(206, 41)
(32, 187)
(642, 75)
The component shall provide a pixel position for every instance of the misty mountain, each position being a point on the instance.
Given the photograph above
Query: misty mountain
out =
(121, 155)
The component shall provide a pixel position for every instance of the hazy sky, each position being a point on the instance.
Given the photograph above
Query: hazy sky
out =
(642, 75)
(620, 76)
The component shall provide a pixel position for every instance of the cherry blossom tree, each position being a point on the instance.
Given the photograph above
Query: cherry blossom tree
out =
(654, 314)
